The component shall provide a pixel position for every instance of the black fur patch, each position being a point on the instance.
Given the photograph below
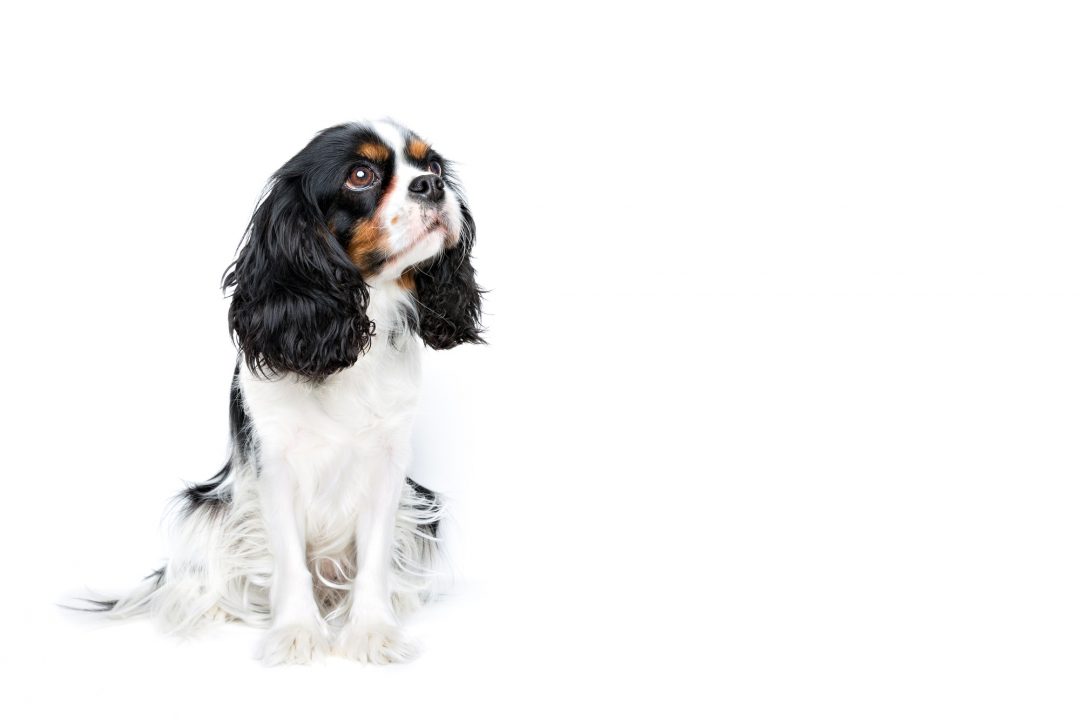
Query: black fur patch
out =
(432, 502)
(298, 301)
(210, 495)
(448, 298)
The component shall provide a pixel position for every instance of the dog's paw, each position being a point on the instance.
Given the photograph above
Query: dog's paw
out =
(378, 643)
(293, 645)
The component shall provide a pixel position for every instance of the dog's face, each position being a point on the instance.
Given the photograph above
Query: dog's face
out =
(384, 193)
(360, 206)
(397, 204)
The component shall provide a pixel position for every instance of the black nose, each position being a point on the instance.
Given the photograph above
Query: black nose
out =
(429, 187)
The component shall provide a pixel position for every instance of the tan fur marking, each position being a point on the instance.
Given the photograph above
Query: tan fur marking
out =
(417, 148)
(376, 152)
(368, 237)
(407, 281)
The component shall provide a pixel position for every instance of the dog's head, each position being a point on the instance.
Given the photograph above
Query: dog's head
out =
(361, 205)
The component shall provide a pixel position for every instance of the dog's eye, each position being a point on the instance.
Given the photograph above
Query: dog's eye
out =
(361, 178)
(435, 167)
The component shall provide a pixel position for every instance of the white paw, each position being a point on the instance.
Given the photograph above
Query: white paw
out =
(378, 643)
(296, 644)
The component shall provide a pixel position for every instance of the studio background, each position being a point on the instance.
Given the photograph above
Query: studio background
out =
(778, 413)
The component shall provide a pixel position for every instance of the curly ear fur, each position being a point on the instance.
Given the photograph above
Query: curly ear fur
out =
(298, 302)
(448, 299)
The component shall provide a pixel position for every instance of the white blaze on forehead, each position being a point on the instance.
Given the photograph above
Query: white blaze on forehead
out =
(404, 172)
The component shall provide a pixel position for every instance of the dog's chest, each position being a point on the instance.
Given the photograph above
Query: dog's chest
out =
(336, 436)
(376, 394)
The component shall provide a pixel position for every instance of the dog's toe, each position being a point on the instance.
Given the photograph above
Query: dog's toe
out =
(379, 643)
(293, 645)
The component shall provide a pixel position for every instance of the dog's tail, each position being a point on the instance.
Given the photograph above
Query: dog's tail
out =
(194, 585)
(135, 602)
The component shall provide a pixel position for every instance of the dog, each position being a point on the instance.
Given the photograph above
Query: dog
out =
(358, 252)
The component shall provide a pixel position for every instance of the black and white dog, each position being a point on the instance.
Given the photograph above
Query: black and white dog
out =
(359, 250)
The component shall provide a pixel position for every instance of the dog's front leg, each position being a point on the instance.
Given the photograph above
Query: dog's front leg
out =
(373, 632)
(297, 632)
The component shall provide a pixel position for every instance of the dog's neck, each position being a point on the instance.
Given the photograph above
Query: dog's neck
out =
(391, 303)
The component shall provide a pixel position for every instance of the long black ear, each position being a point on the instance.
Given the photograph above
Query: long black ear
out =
(447, 297)
(298, 302)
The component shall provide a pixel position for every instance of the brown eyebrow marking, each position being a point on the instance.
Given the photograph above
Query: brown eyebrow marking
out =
(417, 148)
(374, 151)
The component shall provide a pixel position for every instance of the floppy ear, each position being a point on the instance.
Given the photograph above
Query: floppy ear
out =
(298, 302)
(447, 297)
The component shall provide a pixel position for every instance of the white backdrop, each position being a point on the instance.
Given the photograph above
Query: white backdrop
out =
(779, 413)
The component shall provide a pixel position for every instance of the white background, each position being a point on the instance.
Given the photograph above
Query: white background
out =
(779, 413)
